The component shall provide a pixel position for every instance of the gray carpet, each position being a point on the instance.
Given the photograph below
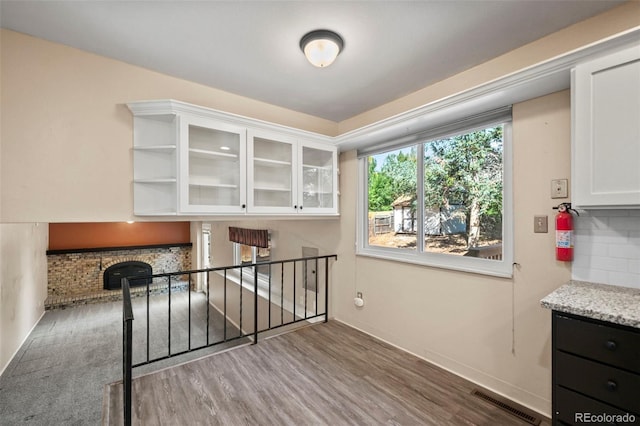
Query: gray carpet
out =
(58, 375)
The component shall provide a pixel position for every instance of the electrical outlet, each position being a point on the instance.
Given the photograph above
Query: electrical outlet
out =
(541, 224)
(559, 188)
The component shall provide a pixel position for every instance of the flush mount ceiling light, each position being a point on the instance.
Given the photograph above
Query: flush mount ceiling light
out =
(321, 47)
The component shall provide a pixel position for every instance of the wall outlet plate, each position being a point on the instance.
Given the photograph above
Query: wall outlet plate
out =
(560, 188)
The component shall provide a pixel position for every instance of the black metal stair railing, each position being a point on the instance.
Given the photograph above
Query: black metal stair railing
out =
(275, 291)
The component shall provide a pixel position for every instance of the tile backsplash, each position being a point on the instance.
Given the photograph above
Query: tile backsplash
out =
(607, 247)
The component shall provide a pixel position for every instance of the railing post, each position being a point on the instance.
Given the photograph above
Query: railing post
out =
(127, 348)
(148, 331)
(169, 321)
(269, 325)
(189, 302)
(206, 276)
(255, 305)
(294, 290)
(326, 289)
(316, 273)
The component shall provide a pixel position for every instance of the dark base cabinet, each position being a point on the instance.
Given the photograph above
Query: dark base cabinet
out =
(596, 372)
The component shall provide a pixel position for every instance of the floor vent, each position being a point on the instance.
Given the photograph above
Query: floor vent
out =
(508, 406)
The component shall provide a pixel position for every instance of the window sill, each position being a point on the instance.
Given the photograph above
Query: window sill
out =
(496, 268)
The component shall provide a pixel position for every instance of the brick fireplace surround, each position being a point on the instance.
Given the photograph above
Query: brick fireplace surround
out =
(76, 276)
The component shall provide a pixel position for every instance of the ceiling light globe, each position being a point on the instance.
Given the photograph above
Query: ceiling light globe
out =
(321, 52)
(321, 47)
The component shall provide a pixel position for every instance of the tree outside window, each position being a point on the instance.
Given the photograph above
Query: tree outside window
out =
(463, 195)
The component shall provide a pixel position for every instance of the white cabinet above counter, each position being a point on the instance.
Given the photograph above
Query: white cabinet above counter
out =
(190, 160)
(606, 131)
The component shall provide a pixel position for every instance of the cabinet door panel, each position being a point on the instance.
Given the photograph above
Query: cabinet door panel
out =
(606, 131)
(212, 167)
(616, 129)
(271, 165)
(318, 178)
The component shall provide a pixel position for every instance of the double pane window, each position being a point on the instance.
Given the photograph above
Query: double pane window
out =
(439, 199)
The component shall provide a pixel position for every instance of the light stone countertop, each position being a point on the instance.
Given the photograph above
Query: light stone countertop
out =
(619, 305)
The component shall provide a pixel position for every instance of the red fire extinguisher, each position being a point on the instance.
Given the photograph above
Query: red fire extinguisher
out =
(564, 231)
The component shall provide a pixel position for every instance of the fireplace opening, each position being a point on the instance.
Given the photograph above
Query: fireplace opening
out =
(130, 269)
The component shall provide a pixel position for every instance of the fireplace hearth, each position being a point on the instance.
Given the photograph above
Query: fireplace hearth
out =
(129, 269)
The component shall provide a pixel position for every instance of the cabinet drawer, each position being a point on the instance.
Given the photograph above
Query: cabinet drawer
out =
(608, 384)
(603, 343)
(571, 407)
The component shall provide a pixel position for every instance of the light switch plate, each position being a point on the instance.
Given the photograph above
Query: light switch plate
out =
(559, 188)
(541, 224)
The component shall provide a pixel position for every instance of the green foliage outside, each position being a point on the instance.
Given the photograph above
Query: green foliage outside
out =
(396, 177)
(462, 170)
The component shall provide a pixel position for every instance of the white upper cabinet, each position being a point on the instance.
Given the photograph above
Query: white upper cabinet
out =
(212, 166)
(190, 160)
(606, 131)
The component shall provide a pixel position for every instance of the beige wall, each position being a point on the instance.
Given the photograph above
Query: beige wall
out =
(490, 330)
(23, 283)
(67, 134)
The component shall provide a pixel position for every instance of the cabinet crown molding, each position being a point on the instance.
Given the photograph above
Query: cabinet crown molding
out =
(174, 107)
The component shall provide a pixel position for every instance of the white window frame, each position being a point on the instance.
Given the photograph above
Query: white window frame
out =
(499, 268)
(248, 272)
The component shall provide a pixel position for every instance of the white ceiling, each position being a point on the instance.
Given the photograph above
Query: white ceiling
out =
(251, 48)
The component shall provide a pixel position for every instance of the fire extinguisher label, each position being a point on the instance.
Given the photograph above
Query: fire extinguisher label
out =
(563, 239)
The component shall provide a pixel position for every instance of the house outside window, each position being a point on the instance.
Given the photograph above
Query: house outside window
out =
(443, 201)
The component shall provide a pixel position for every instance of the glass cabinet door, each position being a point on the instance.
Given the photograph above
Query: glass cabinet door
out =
(271, 181)
(318, 176)
(212, 167)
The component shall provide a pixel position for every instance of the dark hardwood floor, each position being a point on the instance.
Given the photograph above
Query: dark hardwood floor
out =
(325, 374)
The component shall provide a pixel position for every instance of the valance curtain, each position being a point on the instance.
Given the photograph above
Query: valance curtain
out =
(249, 237)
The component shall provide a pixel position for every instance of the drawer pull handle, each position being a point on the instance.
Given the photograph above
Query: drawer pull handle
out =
(611, 345)
(611, 385)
